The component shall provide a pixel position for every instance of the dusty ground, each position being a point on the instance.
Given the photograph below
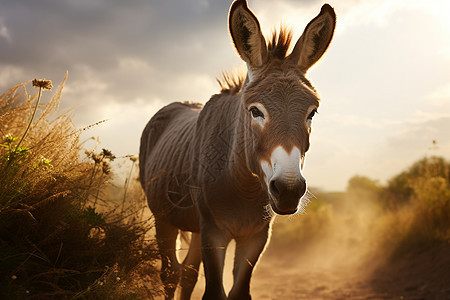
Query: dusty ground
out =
(423, 276)
(344, 268)
(293, 275)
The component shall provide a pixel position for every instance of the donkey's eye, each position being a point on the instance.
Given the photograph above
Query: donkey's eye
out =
(311, 115)
(256, 113)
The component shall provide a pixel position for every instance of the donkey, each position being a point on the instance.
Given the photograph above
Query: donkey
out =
(221, 171)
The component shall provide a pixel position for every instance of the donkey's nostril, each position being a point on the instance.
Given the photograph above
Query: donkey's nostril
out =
(274, 189)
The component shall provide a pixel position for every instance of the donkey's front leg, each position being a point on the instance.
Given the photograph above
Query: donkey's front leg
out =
(214, 246)
(248, 250)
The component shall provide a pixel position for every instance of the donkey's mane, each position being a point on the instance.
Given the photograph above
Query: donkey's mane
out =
(231, 82)
(280, 43)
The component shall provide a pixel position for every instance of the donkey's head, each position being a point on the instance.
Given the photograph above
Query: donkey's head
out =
(279, 101)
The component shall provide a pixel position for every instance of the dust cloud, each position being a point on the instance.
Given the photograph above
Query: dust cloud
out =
(318, 268)
(346, 246)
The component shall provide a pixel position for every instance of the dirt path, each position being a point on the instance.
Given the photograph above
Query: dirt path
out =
(293, 275)
(346, 264)
(419, 276)
(323, 273)
(284, 277)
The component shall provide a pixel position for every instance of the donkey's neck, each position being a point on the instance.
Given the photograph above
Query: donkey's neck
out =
(243, 178)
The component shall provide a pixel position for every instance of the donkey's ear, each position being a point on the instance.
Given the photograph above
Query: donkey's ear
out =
(315, 39)
(246, 34)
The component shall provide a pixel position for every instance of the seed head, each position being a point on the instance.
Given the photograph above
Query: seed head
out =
(43, 84)
(108, 154)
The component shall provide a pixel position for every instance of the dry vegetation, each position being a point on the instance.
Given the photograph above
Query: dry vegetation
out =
(61, 235)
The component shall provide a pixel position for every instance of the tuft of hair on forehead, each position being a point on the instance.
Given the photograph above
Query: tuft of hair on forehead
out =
(279, 43)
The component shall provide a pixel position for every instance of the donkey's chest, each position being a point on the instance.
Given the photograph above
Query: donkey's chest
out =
(241, 225)
(237, 213)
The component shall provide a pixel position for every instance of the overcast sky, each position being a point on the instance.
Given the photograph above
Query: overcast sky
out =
(384, 82)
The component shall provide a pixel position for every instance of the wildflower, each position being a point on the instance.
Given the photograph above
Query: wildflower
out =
(9, 139)
(43, 84)
(134, 158)
(13, 277)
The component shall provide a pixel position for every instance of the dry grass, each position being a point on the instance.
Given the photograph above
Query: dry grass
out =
(421, 216)
(60, 235)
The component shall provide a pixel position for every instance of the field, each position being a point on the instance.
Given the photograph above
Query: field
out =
(67, 232)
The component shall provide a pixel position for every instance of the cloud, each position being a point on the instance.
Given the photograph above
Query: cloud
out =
(124, 126)
(11, 73)
(379, 13)
(411, 142)
(4, 32)
(117, 52)
(415, 138)
(441, 96)
(378, 157)
(101, 33)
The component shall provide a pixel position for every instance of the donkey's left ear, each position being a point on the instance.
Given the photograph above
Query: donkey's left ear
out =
(315, 39)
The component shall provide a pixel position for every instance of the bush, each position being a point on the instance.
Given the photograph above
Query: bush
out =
(401, 189)
(418, 202)
(59, 236)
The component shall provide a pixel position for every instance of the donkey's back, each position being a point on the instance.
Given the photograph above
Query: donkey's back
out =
(164, 161)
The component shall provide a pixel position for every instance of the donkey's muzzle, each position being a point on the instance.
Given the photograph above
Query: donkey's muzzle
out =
(286, 194)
